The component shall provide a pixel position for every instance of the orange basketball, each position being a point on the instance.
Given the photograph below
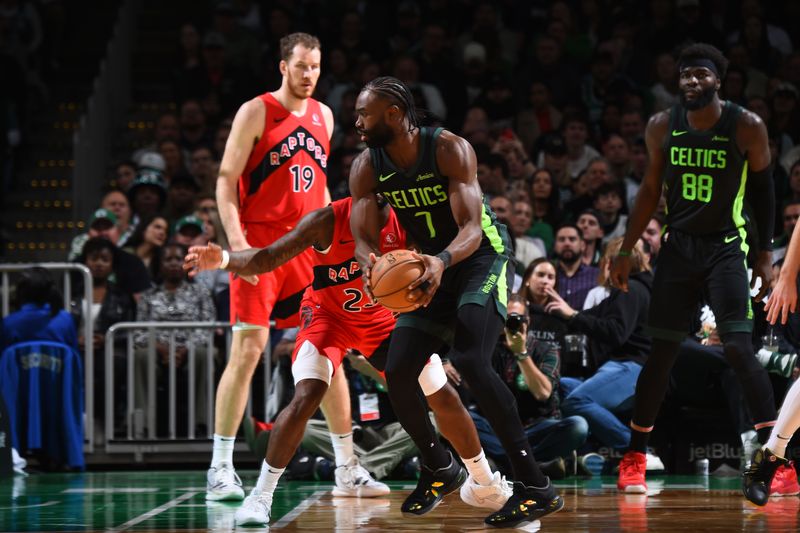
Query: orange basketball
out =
(390, 277)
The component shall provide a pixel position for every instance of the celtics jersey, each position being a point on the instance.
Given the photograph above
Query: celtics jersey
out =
(705, 174)
(420, 199)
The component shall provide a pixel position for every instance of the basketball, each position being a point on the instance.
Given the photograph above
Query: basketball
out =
(390, 277)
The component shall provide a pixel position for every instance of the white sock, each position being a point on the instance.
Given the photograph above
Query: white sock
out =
(478, 468)
(342, 447)
(268, 478)
(788, 421)
(223, 450)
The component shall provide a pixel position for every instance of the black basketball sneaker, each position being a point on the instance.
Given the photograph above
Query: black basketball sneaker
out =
(757, 479)
(526, 505)
(432, 486)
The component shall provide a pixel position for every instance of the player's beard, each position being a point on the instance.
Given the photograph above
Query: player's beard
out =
(703, 99)
(378, 136)
(298, 90)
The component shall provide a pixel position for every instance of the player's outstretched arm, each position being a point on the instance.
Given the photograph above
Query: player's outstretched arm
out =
(783, 299)
(646, 199)
(316, 228)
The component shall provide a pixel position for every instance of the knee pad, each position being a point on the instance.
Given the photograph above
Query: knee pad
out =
(310, 364)
(432, 378)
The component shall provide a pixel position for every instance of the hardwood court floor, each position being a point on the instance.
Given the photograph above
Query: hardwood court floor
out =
(174, 501)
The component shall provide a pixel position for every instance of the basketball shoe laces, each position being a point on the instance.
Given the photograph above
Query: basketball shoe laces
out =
(225, 475)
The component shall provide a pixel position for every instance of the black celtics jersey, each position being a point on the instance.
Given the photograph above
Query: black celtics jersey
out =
(704, 174)
(420, 199)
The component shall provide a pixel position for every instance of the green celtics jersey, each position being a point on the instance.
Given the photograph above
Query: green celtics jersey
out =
(420, 199)
(704, 174)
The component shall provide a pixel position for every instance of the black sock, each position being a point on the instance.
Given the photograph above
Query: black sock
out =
(763, 434)
(639, 441)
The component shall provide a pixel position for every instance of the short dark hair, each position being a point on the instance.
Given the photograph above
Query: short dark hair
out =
(574, 117)
(36, 285)
(498, 161)
(97, 244)
(288, 42)
(568, 225)
(608, 188)
(705, 51)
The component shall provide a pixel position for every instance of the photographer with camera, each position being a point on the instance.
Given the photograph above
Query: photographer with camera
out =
(617, 349)
(530, 369)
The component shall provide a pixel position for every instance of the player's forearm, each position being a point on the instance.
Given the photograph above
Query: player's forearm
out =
(228, 208)
(643, 207)
(250, 262)
(467, 240)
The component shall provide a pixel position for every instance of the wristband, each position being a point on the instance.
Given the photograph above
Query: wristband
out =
(445, 257)
(624, 253)
(226, 257)
(521, 356)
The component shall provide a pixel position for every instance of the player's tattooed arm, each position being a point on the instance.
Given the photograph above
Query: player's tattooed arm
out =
(314, 229)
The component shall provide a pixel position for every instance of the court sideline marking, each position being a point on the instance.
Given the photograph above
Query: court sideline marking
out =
(302, 506)
(153, 512)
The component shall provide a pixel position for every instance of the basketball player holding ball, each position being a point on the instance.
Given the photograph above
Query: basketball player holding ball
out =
(335, 316)
(429, 178)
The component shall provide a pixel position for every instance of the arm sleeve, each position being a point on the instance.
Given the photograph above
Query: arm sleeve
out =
(762, 201)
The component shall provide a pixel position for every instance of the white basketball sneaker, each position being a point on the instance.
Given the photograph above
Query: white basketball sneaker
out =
(353, 480)
(222, 483)
(255, 509)
(492, 496)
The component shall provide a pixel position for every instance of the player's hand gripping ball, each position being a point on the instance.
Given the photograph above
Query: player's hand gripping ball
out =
(390, 277)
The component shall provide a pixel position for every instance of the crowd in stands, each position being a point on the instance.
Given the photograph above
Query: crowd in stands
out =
(554, 97)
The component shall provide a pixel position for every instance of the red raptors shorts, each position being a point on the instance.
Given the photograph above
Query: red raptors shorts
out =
(332, 336)
(278, 293)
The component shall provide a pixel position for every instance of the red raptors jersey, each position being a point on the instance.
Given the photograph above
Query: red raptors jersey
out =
(286, 173)
(337, 287)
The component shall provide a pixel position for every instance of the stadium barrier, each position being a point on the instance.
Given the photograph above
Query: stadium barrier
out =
(137, 442)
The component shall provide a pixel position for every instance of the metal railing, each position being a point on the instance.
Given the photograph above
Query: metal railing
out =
(88, 327)
(138, 443)
(105, 110)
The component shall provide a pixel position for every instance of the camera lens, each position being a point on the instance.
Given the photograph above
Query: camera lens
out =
(514, 322)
